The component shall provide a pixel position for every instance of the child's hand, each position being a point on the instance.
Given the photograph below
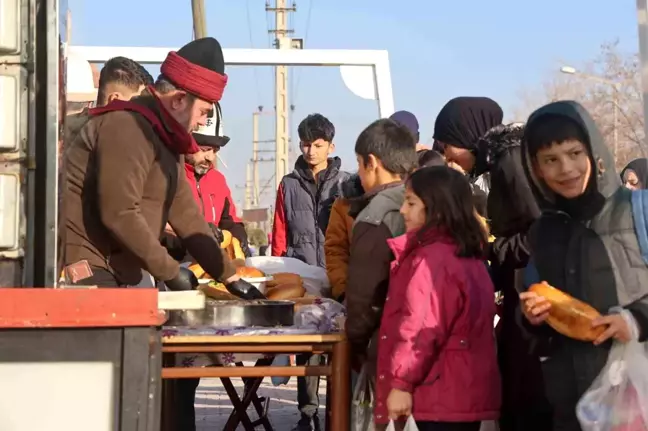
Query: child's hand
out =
(617, 329)
(399, 403)
(534, 307)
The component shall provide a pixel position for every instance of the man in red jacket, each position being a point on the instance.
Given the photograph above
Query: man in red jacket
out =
(210, 188)
(211, 192)
(209, 185)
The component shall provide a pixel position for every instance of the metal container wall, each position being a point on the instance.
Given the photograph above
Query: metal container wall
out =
(228, 314)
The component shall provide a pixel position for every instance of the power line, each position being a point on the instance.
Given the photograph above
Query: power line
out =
(298, 75)
(308, 18)
(254, 70)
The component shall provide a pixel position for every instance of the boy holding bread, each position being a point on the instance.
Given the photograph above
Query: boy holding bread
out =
(585, 244)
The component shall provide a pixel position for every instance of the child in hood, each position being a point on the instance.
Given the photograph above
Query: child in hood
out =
(635, 175)
(436, 349)
(584, 244)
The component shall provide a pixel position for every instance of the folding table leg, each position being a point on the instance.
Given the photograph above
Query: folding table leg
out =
(327, 417)
(240, 408)
(340, 387)
(251, 386)
(260, 403)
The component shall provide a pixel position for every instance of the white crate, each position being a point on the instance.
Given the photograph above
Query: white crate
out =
(13, 108)
(10, 25)
(9, 211)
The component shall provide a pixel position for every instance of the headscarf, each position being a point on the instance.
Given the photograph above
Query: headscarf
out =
(639, 167)
(463, 120)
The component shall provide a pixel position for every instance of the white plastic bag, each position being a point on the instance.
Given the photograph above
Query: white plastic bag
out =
(363, 403)
(618, 398)
(315, 279)
(410, 425)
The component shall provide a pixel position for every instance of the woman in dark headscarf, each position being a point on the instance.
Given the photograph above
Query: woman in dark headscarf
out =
(459, 127)
(635, 175)
(472, 135)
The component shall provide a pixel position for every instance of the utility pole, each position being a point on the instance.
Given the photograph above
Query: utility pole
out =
(282, 41)
(255, 158)
(68, 27)
(199, 20)
(248, 186)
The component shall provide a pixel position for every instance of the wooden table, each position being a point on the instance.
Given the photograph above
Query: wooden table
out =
(333, 345)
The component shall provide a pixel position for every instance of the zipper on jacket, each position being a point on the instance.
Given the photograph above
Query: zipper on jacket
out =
(318, 195)
(202, 204)
(213, 208)
(319, 186)
(317, 198)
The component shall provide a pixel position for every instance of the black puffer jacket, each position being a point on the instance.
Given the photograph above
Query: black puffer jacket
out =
(512, 209)
(511, 206)
(589, 250)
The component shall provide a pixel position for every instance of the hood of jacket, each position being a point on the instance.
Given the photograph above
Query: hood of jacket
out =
(403, 245)
(604, 180)
(351, 187)
(640, 168)
(392, 195)
(494, 143)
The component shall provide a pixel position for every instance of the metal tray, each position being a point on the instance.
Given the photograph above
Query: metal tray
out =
(226, 314)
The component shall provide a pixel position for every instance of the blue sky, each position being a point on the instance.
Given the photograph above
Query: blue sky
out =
(438, 50)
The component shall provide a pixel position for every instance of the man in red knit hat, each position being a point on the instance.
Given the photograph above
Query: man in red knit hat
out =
(124, 180)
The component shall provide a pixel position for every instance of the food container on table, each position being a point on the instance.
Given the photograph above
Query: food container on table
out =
(236, 313)
(258, 282)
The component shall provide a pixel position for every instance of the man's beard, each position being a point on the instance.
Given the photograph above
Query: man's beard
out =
(201, 169)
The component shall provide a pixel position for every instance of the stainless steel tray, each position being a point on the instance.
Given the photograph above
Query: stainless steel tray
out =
(226, 314)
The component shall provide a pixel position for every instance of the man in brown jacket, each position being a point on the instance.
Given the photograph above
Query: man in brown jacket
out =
(124, 180)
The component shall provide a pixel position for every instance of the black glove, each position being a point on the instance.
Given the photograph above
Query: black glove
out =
(217, 233)
(185, 280)
(246, 249)
(174, 246)
(244, 290)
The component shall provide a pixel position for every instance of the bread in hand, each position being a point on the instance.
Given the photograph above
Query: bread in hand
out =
(568, 315)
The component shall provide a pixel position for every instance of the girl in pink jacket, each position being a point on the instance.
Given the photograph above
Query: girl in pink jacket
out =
(436, 348)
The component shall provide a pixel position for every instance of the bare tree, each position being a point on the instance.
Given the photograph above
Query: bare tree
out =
(618, 88)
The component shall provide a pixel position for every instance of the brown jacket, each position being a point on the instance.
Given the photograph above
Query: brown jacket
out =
(377, 218)
(337, 246)
(119, 175)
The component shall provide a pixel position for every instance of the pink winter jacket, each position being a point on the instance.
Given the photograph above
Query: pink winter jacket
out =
(436, 336)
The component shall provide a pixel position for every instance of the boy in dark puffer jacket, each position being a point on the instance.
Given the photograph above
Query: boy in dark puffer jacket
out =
(585, 244)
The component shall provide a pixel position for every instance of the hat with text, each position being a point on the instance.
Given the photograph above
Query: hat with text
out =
(211, 134)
